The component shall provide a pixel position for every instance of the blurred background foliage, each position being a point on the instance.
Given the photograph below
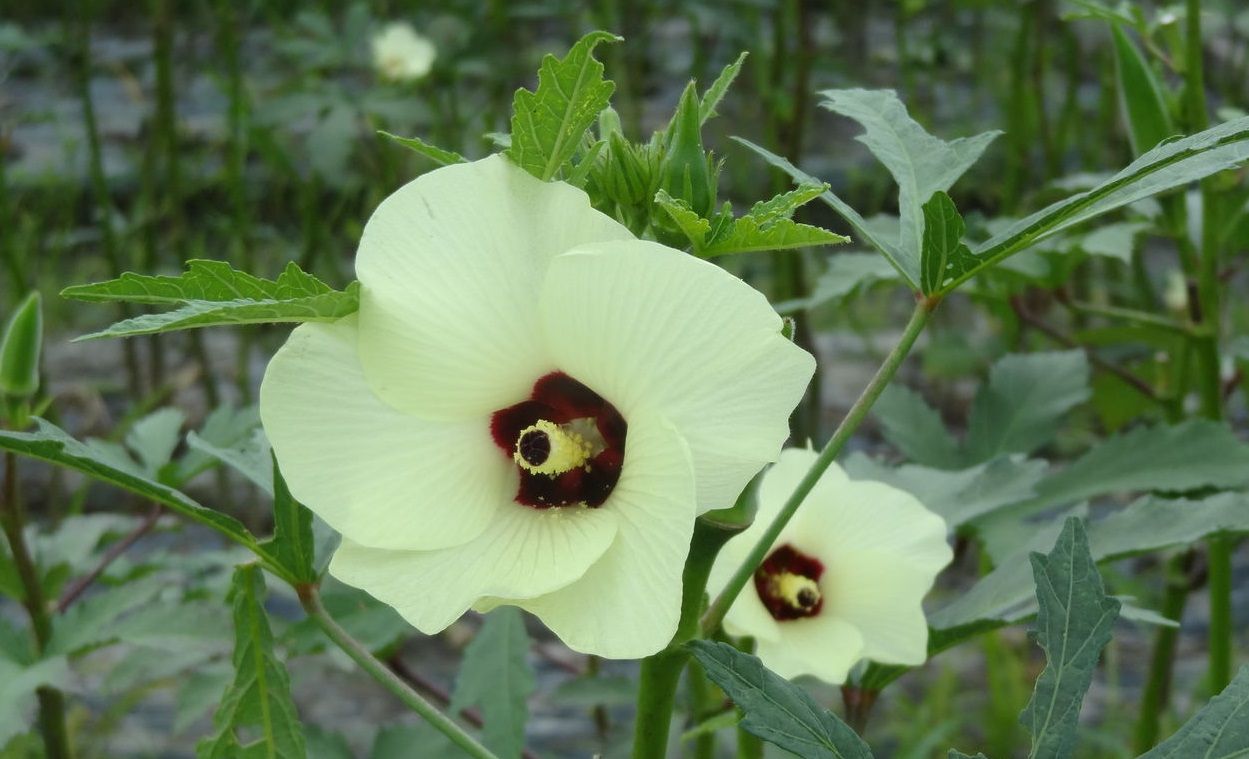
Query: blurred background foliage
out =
(137, 135)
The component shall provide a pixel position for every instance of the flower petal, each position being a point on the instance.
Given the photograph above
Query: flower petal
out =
(747, 615)
(823, 646)
(883, 598)
(882, 550)
(627, 605)
(523, 553)
(653, 329)
(450, 268)
(856, 516)
(379, 476)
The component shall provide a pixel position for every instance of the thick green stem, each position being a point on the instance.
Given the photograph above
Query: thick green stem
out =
(661, 672)
(1219, 556)
(51, 700)
(657, 695)
(310, 597)
(854, 417)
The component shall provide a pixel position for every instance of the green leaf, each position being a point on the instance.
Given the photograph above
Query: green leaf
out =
(748, 235)
(1073, 626)
(89, 623)
(693, 226)
(956, 754)
(548, 123)
(957, 496)
(154, 438)
(292, 545)
(1148, 524)
(1113, 240)
(1193, 454)
(1165, 167)
(715, 93)
(248, 455)
(592, 690)
(775, 709)
(766, 226)
(18, 684)
(920, 163)
(19, 349)
(1141, 100)
(915, 428)
(1018, 409)
(398, 742)
(421, 147)
(259, 698)
(496, 676)
(52, 444)
(212, 293)
(847, 274)
(943, 253)
(865, 231)
(225, 427)
(1218, 731)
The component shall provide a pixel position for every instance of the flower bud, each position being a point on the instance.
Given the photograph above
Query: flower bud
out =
(688, 171)
(19, 349)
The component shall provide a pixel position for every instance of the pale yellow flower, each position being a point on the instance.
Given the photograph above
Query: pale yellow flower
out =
(843, 582)
(530, 408)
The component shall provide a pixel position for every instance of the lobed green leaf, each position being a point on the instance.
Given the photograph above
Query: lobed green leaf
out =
(292, 544)
(1074, 621)
(775, 709)
(920, 163)
(212, 293)
(1018, 409)
(548, 123)
(1219, 731)
(715, 93)
(259, 698)
(50, 443)
(497, 677)
(1149, 524)
(942, 254)
(18, 683)
(1165, 167)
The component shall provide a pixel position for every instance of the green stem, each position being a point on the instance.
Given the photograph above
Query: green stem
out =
(704, 704)
(1210, 387)
(79, 14)
(661, 672)
(854, 417)
(1129, 315)
(51, 700)
(1158, 685)
(310, 598)
(748, 746)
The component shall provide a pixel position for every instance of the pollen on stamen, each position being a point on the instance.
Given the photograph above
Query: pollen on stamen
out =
(551, 449)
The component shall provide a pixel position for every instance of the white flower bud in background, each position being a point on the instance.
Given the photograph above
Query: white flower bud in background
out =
(1175, 294)
(400, 54)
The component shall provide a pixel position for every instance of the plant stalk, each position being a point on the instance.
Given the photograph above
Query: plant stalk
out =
(310, 598)
(662, 672)
(51, 700)
(854, 417)
(1219, 549)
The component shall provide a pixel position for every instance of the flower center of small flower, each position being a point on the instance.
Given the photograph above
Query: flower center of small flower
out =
(788, 584)
(567, 443)
(548, 448)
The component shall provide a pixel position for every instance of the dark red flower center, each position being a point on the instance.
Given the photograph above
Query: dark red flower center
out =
(788, 584)
(561, 409)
